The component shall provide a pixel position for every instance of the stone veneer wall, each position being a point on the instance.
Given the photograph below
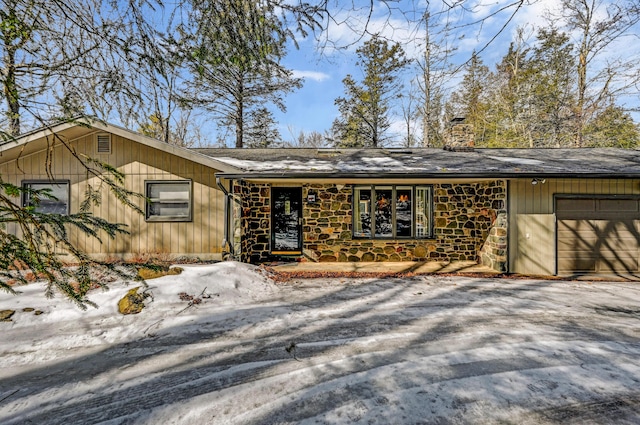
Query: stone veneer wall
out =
(327, 224)
(494, 251)
(255, 221)
(241, 191)
(459, 136)
(464, 217)
(469, 224)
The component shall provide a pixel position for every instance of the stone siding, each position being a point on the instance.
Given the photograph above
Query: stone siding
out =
(464, 215)
(327, 222)
(469, 224)
(494, 252)
(255, 221)
(459, 136)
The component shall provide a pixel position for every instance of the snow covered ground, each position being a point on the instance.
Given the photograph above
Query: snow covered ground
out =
(427, 349)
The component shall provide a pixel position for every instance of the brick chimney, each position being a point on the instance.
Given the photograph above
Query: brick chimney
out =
(459, 136)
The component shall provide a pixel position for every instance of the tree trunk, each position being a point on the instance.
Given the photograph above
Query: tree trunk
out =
(11, 95)
(240, 116)
(426, 75)
(10, 87)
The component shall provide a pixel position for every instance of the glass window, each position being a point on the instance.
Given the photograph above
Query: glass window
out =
(403, 212)
(384, 212)
(56, 201)
(423, 211)
(168, 200)
(362, 213)
(398, 212)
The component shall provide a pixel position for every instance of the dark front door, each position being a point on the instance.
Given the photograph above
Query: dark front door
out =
(286, 220)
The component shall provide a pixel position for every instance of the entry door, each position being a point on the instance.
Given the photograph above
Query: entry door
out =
(286, 220)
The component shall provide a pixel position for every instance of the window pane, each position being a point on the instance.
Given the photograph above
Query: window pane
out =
(169, 201)
(423, 207)
(58, 190)
(384, 214)
(362, 213)
(169, 191)
(163, 209)
(403, 212)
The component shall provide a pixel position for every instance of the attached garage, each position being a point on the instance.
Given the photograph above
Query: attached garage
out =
(575, 226)
(597, 234)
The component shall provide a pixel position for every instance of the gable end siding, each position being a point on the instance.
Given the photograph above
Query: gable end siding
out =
(201, 237)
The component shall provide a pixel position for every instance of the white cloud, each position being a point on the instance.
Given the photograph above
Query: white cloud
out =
(310, 75)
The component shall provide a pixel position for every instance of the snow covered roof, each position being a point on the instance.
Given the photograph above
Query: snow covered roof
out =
(428, 162)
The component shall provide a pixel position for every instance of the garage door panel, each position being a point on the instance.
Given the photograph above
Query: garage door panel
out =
(625, 257)
(567, 206)
(573, 241)
(617, 205)
(605, 233)
(577, 226)
(619, 236)
(576, 264)
(577, 235)
(587, 256)
(620, 264)
(620, 245)
(624, 226)
(603, 237)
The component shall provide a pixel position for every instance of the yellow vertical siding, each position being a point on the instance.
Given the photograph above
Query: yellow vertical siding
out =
(532, 232)
(200, 237)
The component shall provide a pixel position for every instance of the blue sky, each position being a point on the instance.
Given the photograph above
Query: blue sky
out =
(311, 108)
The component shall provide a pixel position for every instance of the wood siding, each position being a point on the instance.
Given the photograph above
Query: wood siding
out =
(532, 233)
(201, 237)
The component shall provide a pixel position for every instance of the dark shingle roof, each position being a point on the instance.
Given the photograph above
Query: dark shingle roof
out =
(436, 163)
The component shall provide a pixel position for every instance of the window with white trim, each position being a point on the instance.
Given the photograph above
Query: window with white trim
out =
(53, 200)
(392, 212)
(168, 200)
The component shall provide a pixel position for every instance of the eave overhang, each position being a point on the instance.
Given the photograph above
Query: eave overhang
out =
(422, 176)
(47, 137)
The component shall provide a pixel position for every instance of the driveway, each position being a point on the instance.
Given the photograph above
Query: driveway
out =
(418, 350)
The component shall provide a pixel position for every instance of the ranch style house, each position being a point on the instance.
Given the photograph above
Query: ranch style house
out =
(560, 212)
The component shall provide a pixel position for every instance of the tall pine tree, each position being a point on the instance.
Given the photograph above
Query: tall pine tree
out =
(471, 99)
(554, 96)
(237, 50)
(365, 112)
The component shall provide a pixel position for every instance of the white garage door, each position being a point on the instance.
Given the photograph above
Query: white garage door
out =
(598, 235)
